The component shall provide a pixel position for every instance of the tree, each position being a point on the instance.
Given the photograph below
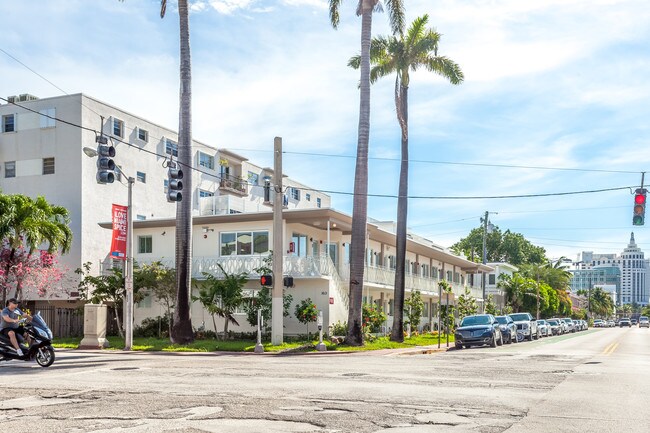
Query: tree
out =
(160, 282)
(399, 54)
(490, 306)
(414, 309)
(360, 201)
(466, 304)
(446, 311)
(507, 247)
(26, 224)
(306, 312)
(516, 287)
(222, 296)
(626, 309)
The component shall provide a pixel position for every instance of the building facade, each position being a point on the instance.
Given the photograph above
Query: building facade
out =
(41, 153)
(632, 273)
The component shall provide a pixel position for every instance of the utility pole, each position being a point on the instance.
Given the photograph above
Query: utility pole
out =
(485, 226)
(277, 317)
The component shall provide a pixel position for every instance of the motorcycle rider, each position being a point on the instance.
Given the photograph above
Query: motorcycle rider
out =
(9, 320)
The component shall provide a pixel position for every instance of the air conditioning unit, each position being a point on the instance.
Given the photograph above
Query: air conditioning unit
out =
(26, 97)
(11, 99)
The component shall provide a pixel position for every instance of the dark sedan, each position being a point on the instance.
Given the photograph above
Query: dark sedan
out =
(478, 330)
(508, 329)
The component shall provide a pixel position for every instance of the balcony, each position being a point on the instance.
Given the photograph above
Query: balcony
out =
(233, 184)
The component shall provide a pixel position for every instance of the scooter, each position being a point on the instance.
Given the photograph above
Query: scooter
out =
(41, 346)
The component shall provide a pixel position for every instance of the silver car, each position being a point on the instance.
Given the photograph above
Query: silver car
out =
(526, 326)
(543, 328)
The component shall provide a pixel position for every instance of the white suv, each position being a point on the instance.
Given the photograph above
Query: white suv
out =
(526, 325)
(643, 322)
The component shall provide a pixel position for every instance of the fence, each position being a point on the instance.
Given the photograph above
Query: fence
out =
(64, 322)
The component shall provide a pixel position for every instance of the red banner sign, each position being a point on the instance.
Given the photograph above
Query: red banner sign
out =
(120, 225)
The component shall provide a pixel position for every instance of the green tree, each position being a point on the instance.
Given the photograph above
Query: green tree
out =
(466, 304)
(222, 296)
(360, 201)
(500, 247)
(517, 288)
(446, 311)
(306, 312)
(29, 223)
(400, 54)
(262, 299)
(414, 307)
(158, 281)
(626, 309)
(490, 306)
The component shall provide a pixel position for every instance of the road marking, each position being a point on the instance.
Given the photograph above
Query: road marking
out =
(610, 349)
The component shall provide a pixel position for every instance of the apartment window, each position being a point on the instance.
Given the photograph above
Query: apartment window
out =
(203, 193)
(10, 169)
(145, 244)
(317, 202)
(253, 178)
(171, 147)
(308, 197)
(118, 127)
(48, 165)
(141, 217)
(47, 118)
(165, 186)
(206, 160)
(9, 123)
(142, 177)
(143, 135)
(492, 279)
(295, 193)
(118, 174)
(244, 243)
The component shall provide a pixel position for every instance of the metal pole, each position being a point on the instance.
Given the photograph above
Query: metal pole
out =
(321, 347)
(128, 281)
(258, 347)
(439, 312)
(485, 224)
(537, 293)
(277, 325)
(447, 319)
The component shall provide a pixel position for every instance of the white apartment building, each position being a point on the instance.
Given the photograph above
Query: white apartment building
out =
(320, 269)
(41, 142)
(633, 271)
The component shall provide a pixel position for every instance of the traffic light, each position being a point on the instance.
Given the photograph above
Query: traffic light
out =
(638, 218)
(288, 281)
(174, 184)
(105, 163)
(266, 280)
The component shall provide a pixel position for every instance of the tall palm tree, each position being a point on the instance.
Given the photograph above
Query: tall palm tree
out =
(29, 223)
(400, 54)
(360, 202)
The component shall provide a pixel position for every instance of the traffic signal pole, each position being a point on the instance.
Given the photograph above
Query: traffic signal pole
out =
(277, 317)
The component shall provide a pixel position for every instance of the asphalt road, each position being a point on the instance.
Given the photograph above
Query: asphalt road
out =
(593, 381)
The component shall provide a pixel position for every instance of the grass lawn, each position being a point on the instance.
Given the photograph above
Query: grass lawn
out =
(163, 345)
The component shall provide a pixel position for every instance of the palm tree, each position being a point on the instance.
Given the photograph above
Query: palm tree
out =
(29, 223)
(360, 203)
(401, 54)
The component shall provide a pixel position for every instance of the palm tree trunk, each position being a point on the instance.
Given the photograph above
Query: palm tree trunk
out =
(360, 202)
(12, 254)
(119, 322)
(182, 332)
(397, 333)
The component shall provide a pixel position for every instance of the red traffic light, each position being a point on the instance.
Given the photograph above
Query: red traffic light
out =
(266, 280)
(639, 199)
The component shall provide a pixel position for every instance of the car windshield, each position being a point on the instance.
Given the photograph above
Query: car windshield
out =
(475, 320)
(502, 320)
(541, 322)
(553, 322)
(520, 317)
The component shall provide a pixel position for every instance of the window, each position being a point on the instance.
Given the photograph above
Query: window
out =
(203, 193)
(295, 193)
(317, 202)
(145, 302)
(165, 186)
(145, 244)
(48, 165)
(206, 160)
(308, 197)
(10, 169)
(492, 279)
(244, 243)
(9, 123)
(118, 174)
(143, 135)
(142, 177)
(253, 178)
(141, 217)
(47, 118)
(171, 147)
(118, 127)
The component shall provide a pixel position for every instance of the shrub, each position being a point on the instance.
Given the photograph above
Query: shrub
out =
(153, 327)
(339, 328)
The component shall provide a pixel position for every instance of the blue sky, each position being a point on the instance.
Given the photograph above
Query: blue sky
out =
(553, 84)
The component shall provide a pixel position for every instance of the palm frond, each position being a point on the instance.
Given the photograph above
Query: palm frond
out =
(334, 12)
(396, 15)
(163, 8)
(447, 68)
(416, 31)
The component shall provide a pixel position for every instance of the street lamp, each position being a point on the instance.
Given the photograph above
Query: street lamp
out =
(128, 275)
(487, 227)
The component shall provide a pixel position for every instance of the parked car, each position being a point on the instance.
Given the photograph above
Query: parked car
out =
(508, 329)
(570, 326)
(644, 322)
(554, 326)
(611, 324)
(634, 322)
(478, 330)
(543, 328)
(526, 325)
(625, 321)
(599, 323)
